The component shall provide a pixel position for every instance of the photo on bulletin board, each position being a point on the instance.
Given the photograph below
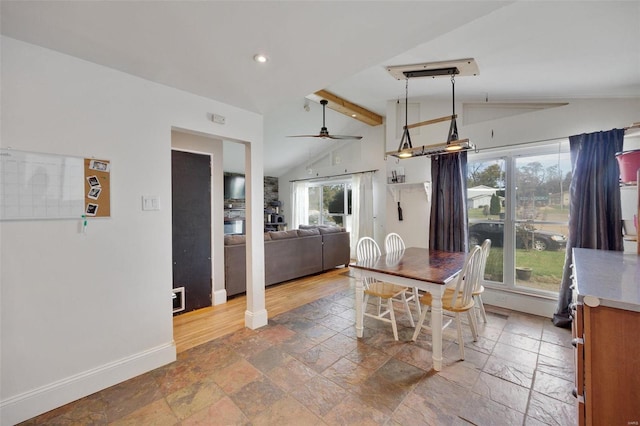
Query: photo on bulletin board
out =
(97, 188)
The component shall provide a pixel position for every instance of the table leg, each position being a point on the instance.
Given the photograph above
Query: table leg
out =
(359, 311)
(436, 329)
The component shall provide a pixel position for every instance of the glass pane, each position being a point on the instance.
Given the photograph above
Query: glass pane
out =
(486, 212)
(542, 187)
(337, 220)
(541, 228)
(541, 267)
(485, 190)
(333, 198)
(314, 205)
(494, 231)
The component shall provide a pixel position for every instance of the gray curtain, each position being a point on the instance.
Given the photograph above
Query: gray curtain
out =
(595, 214)
(448, 228)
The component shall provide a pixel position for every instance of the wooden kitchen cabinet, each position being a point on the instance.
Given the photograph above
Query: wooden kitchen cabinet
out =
(606, 331)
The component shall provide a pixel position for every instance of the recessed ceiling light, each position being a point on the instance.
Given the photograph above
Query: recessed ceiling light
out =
(260, 58)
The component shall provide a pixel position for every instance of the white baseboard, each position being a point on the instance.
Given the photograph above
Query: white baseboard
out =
(29, 404)
(219, 297)
(255, 320)
(522, 302)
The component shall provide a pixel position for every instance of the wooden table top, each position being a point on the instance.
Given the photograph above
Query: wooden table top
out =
(421, 264)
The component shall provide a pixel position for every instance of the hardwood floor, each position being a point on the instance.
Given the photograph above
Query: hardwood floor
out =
(197, 327)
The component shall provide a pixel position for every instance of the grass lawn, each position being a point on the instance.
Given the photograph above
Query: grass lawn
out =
(546, 267)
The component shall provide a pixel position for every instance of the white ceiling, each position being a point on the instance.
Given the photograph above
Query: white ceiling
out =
(525, 50)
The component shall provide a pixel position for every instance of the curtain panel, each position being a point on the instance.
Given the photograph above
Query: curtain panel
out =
(595, 212)
(300, 200)
(361, 208)
(448, 227)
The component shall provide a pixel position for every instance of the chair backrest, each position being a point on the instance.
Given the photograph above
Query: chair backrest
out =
(393, 242)
(468, 277)
(367, 248)
(485, 247)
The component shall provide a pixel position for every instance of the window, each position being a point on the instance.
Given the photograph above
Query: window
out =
(329, 203)
(520, 200)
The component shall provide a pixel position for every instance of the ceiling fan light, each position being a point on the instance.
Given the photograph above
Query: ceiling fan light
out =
(453, 147)
(405, 154)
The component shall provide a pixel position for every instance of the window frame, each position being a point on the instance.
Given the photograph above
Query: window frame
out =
(346, 183)
(510, 155)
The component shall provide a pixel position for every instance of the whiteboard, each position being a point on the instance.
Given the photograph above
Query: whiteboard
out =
(40, 186)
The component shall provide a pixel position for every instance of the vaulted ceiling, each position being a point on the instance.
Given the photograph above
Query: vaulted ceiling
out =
(526, 51)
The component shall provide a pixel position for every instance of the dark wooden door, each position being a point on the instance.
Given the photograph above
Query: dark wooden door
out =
(191, 207)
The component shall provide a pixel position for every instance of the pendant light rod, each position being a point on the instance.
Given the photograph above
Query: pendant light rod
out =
(453, 128)
(405, 142)
(406, 104)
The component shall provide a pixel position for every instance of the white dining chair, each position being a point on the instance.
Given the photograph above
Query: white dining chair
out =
(367, 248)
(479, 288)
(393, 243)
(457, 299)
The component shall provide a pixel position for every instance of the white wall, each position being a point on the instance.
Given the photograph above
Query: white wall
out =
(83, 312)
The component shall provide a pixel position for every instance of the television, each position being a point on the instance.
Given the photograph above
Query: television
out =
(233, 187)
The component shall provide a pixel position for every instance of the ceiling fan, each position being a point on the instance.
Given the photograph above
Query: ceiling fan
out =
(324, 133)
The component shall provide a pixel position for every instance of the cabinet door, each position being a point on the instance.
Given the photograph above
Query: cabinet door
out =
(612, 366)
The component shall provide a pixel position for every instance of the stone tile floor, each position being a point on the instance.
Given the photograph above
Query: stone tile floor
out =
(307, 368)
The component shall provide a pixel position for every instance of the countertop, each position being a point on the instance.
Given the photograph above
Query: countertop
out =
(611, 277)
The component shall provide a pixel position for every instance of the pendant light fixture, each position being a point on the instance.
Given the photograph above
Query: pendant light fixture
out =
(453, 144)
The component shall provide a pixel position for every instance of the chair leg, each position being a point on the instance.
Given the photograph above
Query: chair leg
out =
(392, 315)
(473, 324)
(460, 339)
(481, 308)
(416, 299)
(406, 308)
(423, 315)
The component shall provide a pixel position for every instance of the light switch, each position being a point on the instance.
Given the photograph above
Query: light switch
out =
(150, 202)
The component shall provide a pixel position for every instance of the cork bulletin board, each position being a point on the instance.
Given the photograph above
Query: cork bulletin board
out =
(97, 188)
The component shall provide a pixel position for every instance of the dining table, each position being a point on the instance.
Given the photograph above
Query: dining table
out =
(414, 267)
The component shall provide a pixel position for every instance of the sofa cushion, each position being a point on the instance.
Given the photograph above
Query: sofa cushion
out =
(308, 232)
(330, 229)
(282, 235)
(233, 240)
(267, 236)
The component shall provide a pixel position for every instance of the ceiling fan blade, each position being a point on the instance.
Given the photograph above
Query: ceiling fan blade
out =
(337, 137)
(324, 133)
(343, 137)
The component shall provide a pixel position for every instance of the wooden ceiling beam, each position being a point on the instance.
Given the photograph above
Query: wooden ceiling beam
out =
(345, 107)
